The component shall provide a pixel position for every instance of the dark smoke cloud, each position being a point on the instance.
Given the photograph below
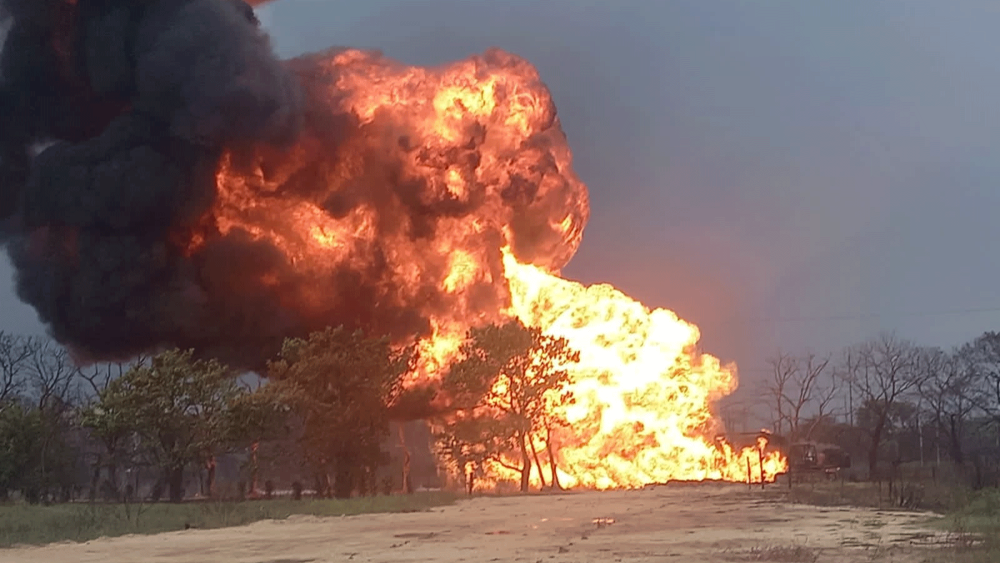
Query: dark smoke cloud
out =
(142, 103)
(136, 99)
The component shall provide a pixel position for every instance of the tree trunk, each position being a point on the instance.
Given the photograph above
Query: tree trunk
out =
(343, 484)
(552, 459)
(113, 479)
(873, 449)
(781, 415)
(321, 485)
(210, 478)
(95, 481)
(956, 443)
(371, 483)
(407, 482)
(794, 423)
(157, 493)
(253, 469)
(872, 461)
(525, 463)
(538, 464)
(175, 483)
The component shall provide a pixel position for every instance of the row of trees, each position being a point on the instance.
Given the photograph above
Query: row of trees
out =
(61, 424)
(37, 386)
(324, 412)
(892, 394)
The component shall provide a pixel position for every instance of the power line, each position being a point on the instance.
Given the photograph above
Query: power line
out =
(864, 316)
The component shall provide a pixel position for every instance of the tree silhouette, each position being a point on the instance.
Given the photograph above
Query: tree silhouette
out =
(182, 410)
(518, 376)
(345, 383)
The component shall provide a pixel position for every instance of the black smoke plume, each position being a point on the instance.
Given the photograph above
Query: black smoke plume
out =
(133, 102)
(156, 159)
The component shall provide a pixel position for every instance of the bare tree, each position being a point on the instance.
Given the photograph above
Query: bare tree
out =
(50, 377)
(824, 391)
(784, 369)
(112, 435)
(800, 389)
(881, 372)
(949, 389)
(15, 351)
(983, 361)
(98, 376)
(806, 389)
(51, 373)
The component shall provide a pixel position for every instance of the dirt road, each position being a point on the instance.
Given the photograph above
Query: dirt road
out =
(688, 523)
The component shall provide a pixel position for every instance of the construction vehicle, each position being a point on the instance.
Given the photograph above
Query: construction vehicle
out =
(809, 456)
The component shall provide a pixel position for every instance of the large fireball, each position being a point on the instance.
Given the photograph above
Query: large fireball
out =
(393, 209)
(450, 197)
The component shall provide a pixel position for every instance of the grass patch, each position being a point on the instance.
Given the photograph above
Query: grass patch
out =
(775, 554)
(972, 518)
(905, 495)
(974, 529)
(980, 514)
(37, 525)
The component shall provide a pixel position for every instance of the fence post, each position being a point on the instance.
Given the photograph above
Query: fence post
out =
(749, 478)
(760, 454)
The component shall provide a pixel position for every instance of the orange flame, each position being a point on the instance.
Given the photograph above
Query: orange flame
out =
(643, 391)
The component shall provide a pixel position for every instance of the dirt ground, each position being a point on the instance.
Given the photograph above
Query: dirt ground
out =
(704, 523)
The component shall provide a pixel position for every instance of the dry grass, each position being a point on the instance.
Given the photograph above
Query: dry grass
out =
(972, 517)
(34, 525)
(940, 496)
(974, 531)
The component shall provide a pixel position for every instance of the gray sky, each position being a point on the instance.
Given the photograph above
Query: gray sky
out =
(793, 174)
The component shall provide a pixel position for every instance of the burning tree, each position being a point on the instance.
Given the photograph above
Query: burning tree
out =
(345, 385)
(519, 374)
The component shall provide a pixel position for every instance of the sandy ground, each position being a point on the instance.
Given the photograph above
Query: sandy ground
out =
(688, 523)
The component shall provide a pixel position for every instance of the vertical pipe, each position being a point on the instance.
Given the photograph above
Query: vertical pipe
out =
(760, 453)
(749, 479)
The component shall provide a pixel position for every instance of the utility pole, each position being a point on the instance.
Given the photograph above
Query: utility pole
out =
(920, 436)
(937, 442)
(850, 408)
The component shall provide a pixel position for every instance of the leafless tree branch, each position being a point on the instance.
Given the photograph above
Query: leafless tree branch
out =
(15, 351)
